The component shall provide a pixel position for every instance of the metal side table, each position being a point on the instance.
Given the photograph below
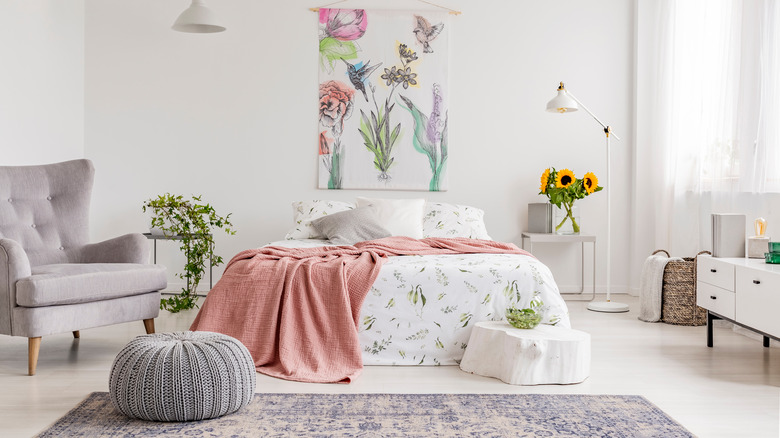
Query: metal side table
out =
(156, 237)
(566, 238)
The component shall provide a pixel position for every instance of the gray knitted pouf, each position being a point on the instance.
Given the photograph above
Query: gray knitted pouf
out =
(182, 376)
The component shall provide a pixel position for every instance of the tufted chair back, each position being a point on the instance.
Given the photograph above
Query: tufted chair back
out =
(46, 209)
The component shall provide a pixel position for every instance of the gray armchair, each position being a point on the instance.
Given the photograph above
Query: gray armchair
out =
(51, 279)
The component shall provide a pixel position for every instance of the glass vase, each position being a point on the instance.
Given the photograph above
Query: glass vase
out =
(566, 221)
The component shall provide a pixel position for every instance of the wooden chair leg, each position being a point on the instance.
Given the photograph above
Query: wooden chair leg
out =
(33, 346)
(76, 334)
(149, 326)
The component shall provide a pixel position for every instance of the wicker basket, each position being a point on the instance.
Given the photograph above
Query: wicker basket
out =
(679, 293)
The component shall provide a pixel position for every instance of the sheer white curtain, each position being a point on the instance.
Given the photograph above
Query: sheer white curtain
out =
(708, 120)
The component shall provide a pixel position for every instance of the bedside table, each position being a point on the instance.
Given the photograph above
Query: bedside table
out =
(566, 238)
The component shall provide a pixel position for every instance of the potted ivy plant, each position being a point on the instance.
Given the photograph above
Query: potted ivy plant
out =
(191, 222)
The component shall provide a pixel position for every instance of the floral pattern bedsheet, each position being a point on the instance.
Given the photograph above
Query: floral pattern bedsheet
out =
(421, 309)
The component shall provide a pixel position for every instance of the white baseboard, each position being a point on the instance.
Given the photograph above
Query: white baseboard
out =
(573, 289)
(176, 288)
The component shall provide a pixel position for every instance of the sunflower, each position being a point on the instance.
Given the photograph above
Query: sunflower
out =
(590, 182)
(545, 181)
(564, 179)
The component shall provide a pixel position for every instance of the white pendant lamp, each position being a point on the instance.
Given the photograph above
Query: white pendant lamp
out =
(566, 103)
(198, 19)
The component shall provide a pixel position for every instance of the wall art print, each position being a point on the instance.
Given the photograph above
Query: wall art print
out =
(383, 99)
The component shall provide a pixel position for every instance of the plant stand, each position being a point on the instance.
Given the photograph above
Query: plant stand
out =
(156, 237)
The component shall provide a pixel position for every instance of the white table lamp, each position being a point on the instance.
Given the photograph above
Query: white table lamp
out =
(563, 103)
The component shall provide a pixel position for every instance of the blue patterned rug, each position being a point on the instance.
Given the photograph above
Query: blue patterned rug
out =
(394, 415)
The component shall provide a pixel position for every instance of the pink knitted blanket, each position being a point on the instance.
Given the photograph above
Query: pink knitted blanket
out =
(297, 309)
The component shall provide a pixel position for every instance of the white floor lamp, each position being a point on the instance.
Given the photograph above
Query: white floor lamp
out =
(562, 103)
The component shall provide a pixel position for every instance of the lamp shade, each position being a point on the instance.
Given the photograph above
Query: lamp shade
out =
(198, 19)
(562, 102)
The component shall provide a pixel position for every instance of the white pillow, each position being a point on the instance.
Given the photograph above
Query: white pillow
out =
(306, 211)
(450, 220)
(401, 217)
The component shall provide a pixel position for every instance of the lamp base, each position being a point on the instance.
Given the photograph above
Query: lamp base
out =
(608, 307)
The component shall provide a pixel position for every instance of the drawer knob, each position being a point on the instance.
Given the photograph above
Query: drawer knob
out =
(713, 297)
(713, 270)
(756, 281)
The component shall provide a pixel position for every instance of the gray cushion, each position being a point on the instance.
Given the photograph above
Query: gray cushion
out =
(74, 283)
(351, 226)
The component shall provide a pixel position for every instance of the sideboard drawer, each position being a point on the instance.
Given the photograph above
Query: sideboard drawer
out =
(715, 272)
(758, 299)
(715, 299)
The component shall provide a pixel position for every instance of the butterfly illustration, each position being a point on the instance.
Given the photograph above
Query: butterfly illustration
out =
(426, 33)
(358, 74)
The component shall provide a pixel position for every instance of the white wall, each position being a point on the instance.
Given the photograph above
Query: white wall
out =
(41, 81)
(233, 115)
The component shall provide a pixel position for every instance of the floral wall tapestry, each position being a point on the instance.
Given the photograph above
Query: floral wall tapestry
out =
(383, 99)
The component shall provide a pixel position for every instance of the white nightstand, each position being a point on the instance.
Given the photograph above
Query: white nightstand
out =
(566, 238)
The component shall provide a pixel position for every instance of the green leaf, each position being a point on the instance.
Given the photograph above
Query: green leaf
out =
(420, 140)
(366, 140)
(394, 134)
(375, 124)
(332, 50)
(386, 129)
(335, 172)
(423, 145)
(365, 127)
(444, 140)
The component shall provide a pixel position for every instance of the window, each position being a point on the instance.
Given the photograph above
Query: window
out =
(724, 77)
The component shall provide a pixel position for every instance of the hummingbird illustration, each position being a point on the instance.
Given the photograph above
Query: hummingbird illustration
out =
(359, 73)
(426, 33)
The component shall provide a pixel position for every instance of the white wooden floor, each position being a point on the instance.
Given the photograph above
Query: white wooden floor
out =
(731, 390)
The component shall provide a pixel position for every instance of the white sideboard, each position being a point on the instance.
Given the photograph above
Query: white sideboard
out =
(741, 290)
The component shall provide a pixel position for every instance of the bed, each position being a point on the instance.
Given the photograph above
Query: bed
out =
(421, 309)
(413, 289)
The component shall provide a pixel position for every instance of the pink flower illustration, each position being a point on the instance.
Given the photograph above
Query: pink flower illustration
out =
(344, 24)
(325, 143)
(335, 105)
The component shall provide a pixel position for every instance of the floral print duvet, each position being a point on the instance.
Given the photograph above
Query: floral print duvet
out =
(421, 309)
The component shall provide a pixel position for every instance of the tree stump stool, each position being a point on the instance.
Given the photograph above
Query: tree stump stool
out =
(543, 355)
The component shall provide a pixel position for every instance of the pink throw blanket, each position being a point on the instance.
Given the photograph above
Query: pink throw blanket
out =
(297, 309)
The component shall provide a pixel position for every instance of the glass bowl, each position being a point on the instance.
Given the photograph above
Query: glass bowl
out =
(523, 318)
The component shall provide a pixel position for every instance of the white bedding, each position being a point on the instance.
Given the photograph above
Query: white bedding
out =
(421, 309)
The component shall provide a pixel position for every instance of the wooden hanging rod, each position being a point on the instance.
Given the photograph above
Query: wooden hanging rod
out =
(451, 11)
